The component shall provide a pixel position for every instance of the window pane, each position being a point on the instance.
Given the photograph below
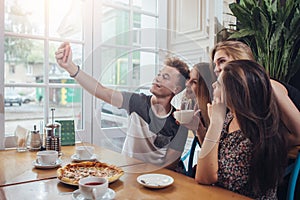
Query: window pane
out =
(58, 74)
(127, 70)
(112, 116)
(23, 106)
(113, 68)
(115, 71)
(65, 20)
(124, 2)
(24, 60)
(146, 5)
(148, 66)
(133, 68)
(22, 17)
(144, 30)
(67, 103)
(115, 26)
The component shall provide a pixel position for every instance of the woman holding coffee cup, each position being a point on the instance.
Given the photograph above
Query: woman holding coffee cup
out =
(243, 150)
(197, 91)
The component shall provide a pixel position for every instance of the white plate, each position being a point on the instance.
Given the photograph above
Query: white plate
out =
(155, 180)
(43, 166)
(110, 194)
(75, 158)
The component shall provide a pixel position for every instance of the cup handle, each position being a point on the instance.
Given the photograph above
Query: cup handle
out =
(38, 159)
(94, 194)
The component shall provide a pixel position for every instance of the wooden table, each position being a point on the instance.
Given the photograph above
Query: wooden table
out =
(19, 180)
(17, 167)
(126, 188)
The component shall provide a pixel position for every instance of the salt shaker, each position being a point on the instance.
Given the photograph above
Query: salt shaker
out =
(35, 140)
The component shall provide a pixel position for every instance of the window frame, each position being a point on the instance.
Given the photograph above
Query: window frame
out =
(161, 15)
(91, 40)
(86, 100)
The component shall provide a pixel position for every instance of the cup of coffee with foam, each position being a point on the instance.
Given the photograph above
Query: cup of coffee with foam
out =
(48, 157)
(93, 187)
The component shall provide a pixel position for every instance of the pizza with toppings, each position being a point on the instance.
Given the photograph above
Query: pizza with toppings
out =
(73, 172)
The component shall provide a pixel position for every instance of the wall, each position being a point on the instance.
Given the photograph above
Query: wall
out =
(190, 32)
(193, 26)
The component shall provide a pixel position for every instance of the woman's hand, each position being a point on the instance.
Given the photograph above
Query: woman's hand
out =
(216, 110)
(194, 123)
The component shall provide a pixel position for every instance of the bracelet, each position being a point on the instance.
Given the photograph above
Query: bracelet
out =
(78, 69)
(210, 140)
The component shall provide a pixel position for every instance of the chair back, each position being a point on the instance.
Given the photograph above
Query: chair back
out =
(189, 171)
(294, 170)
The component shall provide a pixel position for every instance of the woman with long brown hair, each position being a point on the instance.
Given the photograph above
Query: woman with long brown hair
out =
(288, 97)
(197, 86)
(245, 155)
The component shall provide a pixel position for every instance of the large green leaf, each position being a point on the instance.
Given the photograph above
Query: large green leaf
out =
(242, 33)
(248, 3)
(241, 13)
(271, 29)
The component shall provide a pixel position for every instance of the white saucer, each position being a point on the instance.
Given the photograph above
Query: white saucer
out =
(75, 158)
(43, 166)
(110, 194)
(155, 180)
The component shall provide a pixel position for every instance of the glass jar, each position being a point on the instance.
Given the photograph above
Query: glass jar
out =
(53, 136)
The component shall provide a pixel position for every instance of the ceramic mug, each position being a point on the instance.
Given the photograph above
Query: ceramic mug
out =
(93, 187)
(84, 152)
(48, 157)
(184, 116)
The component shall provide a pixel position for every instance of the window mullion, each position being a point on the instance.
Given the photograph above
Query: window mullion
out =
(2, 125)
(46, 63)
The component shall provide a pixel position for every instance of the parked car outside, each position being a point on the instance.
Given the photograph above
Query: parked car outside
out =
(11, 97)
(28, 98)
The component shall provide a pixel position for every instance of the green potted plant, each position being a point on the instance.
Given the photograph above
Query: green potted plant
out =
(271, 28)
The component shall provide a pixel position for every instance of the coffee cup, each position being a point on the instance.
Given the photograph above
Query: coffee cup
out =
(93, 187)
(184, 116)
(48, 157)
(84, 152)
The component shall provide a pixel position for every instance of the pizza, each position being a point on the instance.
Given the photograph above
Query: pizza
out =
(73, 172)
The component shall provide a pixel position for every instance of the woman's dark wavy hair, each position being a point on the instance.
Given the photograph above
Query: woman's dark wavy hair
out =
(250, 96)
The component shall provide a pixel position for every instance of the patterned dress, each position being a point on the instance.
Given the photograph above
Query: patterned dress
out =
(235, 151)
